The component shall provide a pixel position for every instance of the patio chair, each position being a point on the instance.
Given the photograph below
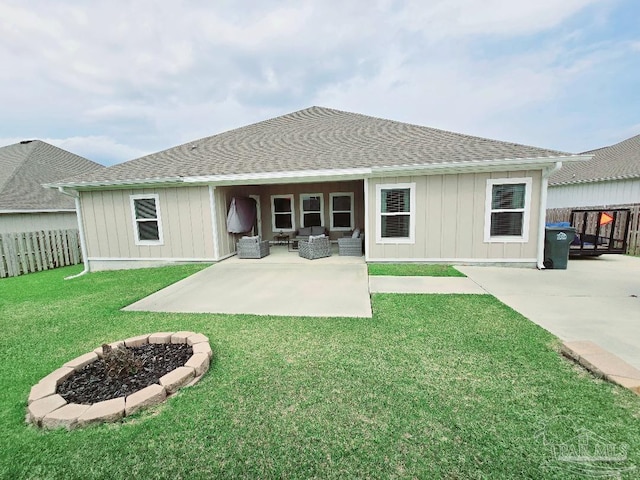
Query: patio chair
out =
(315, 247)
(252, 247)
(350, 247)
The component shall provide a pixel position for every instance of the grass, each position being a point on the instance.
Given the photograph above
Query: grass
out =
(434, 386)
(413, 269)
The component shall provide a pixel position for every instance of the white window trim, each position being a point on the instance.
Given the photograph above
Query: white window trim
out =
(332, 211)
(302, 211)
(527, 210)
(273, 214)
(412, 213)
(136, 233)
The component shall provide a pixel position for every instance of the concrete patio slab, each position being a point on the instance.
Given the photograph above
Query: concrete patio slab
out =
(279, 284)
(595, 299)
(408, 284)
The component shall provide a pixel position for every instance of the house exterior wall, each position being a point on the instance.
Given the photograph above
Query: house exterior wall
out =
(450, 221)
(186, 222)
(33, 222)
(225, 194)
(619, 192)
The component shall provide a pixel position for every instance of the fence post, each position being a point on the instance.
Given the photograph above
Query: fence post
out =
(3, 256)
(13, 265)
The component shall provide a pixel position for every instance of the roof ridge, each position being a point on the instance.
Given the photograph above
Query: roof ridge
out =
(21, 163)
(37, 163)
(633, 137)
(338, 111)
(311, 138)
(435, 129)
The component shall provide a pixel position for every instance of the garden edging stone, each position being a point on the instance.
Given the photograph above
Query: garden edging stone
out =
(48, 409)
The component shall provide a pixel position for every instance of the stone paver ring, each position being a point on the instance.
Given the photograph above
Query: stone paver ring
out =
(47, 409)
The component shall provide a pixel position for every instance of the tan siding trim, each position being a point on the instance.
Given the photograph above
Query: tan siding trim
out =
(215, 247)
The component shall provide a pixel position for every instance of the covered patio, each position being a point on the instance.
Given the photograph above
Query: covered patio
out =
(281, 283)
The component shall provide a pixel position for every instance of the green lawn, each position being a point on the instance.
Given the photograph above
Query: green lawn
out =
(413, 269)
(434, 386)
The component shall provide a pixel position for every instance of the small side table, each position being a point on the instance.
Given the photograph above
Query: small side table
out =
(281, 239)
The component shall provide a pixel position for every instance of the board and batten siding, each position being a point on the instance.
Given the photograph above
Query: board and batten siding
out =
(450, 220)
(37, 221)
(109, 230)
(614, 192)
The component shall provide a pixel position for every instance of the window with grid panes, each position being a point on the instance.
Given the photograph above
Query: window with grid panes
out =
(341, 211)
(282, 213)
(395, 204)
(508, 209)
(312, 209)
(146, 219)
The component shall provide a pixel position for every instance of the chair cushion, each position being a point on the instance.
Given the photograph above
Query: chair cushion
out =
(356, 233)
(304, 232)
(317, 230)
(314, 237)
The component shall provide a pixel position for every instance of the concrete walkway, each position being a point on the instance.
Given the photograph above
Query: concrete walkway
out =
(280, 284)
(594, 299)
(387, 284)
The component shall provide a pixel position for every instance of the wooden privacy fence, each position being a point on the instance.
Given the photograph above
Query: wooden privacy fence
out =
(27, 252)
(633, 235)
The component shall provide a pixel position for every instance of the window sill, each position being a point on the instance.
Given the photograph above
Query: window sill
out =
(395, 241)
(506, 240)
(146, 243)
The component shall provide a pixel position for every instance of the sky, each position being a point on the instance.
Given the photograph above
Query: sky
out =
(115, 80)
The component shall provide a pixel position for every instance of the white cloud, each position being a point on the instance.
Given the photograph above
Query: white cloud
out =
(100, 149)
(123, 78)
(455, 18)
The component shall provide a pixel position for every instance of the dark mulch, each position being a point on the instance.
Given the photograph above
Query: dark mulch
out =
(91, 384)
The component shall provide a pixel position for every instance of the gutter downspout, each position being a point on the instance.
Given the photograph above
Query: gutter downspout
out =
(83, 242)
(544, 184)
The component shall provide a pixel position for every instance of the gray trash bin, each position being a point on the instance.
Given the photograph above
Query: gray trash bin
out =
(556, 246)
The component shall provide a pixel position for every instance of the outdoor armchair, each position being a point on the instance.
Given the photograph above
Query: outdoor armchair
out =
(315, 247)
(351, 247)
(252, 247)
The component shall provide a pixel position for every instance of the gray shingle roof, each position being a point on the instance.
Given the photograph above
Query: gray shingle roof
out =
(616, 162)
(25, 166)
(315, 138)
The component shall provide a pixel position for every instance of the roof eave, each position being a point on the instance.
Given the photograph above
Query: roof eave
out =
(115, 183)
(307, 176)
(595, 180)
(295, 176)
(36, 210)
(498, 164)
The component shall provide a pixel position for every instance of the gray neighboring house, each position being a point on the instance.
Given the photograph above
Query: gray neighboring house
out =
(27, 206)
(419, 194)
(611, 178)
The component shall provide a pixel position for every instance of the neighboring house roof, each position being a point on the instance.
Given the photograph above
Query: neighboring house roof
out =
(25, 166)
(616, 162)
(313, 139)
